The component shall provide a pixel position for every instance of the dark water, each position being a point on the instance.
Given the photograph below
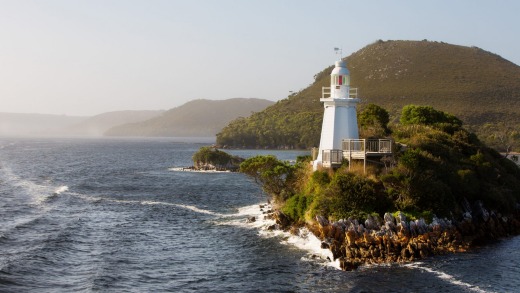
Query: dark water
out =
(109, 216)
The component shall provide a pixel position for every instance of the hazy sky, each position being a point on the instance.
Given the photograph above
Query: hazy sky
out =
(86, 57)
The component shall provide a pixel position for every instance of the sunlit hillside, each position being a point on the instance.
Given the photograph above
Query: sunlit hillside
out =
(478, 86)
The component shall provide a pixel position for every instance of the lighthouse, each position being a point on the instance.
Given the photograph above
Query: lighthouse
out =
(339, 117)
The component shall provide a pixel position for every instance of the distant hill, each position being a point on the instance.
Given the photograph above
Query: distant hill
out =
(195, 118)
(97, 125)
(21, 124)
(475, 85)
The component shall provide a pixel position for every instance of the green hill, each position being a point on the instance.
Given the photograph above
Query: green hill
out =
(475, 85)
(195, 118)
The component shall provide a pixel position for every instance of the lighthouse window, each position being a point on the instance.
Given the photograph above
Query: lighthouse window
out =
(336, 80)
(340, 80)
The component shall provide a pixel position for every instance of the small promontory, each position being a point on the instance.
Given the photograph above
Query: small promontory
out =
(441, 191)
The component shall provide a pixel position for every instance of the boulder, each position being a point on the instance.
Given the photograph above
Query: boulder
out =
(282, 219)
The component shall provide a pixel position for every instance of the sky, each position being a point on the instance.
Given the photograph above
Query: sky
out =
(86, 57)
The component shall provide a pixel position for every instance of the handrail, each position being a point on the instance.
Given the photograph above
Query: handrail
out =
(367, 145)
(326, 92)
(332, 156)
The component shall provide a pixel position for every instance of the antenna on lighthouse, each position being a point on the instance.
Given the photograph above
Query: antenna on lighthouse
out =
(338, 51)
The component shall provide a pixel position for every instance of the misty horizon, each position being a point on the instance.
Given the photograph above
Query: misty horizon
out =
(84, 58)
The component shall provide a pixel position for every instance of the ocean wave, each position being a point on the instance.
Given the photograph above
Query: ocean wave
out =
(188, 207)
(97, 199)
(61, 189)
(185, 169)
(303, 239)
(446, 277)
(38, 193)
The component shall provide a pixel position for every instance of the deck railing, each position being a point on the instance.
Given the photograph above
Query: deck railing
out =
(332, 157)
(374, 146)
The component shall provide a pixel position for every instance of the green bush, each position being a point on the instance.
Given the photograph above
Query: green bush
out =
(373, 121)
(296, 206)
(351, 193)
(320, 177)
(276, 177)
(427, 115)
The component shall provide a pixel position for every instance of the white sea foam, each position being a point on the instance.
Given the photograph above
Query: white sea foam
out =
(188, 207)
(446, 277)
(61, 189)
(148, 202)
(304, 239)
(38, 193)
(185, 169)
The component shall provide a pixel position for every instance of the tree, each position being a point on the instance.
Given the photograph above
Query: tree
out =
(506, 136)
(427, 115)
(275, 176)
(374, 120)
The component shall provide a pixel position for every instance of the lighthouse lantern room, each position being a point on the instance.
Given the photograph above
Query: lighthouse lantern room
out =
(339, 117)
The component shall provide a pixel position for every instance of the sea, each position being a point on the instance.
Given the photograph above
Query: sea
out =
(120, 215)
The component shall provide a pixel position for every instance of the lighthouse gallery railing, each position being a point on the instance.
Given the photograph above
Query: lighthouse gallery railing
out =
(326, 92)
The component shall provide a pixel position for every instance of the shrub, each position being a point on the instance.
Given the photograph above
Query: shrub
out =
(373, 120)
(320, 177)
(277, 177)
(354, 194)
(427, 115)
(296, 206)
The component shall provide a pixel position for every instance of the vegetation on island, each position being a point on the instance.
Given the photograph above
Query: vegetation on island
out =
(480, 88)
(210, 158)
(439, 168)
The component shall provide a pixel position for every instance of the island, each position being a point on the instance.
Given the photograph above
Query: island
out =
(210, 158)
(441, 191)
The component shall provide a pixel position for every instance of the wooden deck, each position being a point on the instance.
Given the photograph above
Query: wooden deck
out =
(357, 149)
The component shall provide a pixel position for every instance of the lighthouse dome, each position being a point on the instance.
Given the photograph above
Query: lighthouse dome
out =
(341, 68)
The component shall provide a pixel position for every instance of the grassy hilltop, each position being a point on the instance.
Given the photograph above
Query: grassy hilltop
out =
(479, 87)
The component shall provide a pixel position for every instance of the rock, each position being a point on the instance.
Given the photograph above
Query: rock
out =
(271, 227)
(480, 211)
(282, 219)
(322, 221)
(370, 223)
(350, 236)
(421, 226)
(389, 222)
(401, 218)
(348, 265)
(389, 218)
(251, 220)
(360, 229)
(325, 245)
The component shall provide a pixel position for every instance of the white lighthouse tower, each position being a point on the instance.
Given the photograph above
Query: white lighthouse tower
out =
(339, 118)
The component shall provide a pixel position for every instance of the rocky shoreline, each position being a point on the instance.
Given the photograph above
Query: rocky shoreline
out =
(396, 240)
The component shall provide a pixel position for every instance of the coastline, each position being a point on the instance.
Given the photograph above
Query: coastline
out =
(394, 239)
(262, 218)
